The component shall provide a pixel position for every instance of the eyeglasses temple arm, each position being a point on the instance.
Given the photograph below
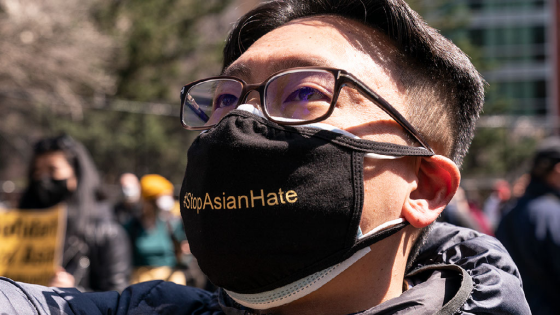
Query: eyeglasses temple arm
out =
(388, 108)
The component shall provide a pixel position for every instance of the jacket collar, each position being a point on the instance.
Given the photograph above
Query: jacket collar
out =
(431, 287)
(538, 187)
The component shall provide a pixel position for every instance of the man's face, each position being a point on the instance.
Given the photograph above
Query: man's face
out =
(328, 41)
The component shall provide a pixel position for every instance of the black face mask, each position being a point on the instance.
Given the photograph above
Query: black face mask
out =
(48, 191)
(265, 205)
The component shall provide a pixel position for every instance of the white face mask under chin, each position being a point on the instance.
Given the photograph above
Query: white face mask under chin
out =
(300, 288)
(321, 126)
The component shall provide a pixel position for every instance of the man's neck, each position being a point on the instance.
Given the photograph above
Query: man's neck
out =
(372, 280)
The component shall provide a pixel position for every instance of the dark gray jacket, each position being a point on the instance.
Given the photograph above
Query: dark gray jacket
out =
(457, 271)
(531, 233)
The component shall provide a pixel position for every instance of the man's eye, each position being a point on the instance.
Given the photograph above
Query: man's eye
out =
(305, 94)
(225, 100)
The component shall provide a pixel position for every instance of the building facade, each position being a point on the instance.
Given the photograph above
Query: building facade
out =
(518, 46)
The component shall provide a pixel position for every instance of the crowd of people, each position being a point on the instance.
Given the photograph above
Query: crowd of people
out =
(484, 216)
(525, 217)
(109, 245)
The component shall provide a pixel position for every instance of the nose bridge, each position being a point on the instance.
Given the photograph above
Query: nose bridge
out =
(251, 88)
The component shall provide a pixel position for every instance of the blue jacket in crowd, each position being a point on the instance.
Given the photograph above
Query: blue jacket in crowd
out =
(531, 233)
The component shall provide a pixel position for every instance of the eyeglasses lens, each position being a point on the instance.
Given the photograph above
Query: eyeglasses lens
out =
(293, 96)
(209, 101)
(300, 95)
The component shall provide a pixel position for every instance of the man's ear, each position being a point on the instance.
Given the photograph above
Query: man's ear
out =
(438, 179)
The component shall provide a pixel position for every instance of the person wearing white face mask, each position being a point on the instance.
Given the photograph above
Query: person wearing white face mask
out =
(156, 235)
(129, 205)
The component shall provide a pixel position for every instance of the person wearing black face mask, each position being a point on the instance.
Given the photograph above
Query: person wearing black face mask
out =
(49, 191)
(95, 256)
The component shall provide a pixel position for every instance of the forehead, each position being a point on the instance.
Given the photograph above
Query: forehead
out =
(330, 41)
(56, 158)
(326, 41)
(52, 163)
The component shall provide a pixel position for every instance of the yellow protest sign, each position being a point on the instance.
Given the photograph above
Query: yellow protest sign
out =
(31, 243)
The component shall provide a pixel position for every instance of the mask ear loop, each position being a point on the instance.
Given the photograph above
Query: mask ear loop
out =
(383, 227)
(381, 157)
(321, 126)
(331, 128)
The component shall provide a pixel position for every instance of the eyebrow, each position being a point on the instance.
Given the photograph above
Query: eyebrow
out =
(241, 70)
(238, 70)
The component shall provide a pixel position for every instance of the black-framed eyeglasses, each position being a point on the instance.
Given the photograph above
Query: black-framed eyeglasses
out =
(296, 96)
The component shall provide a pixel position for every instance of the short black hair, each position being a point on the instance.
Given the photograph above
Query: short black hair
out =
(62, 143)
(546, 157)
(445, 91)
